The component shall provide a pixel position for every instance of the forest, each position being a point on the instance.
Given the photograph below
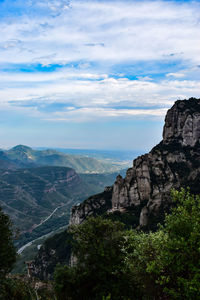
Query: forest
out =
(111, 261)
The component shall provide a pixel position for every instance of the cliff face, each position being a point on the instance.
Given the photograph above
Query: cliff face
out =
(97, 204)
(182, 123)
(173, 163)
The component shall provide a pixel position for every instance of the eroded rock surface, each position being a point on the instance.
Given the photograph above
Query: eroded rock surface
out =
(173, 163)
(97, 204)
(182, 123)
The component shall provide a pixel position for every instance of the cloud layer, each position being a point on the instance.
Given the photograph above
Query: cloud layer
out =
(79, 61)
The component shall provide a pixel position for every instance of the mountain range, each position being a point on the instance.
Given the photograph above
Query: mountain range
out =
(22, 156)
(173, 163)
(142, 197)
(38, 187)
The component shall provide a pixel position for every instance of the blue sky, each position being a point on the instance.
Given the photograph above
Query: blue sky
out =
(95, 74)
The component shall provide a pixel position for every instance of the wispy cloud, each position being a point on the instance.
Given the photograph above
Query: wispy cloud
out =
(97, 56)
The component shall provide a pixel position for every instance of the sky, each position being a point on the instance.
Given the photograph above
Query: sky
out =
(95, 74)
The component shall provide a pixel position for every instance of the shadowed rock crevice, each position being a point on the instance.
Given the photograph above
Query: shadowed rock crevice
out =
(173, 163)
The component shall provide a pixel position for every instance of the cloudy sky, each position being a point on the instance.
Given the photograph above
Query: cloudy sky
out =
(94, 74)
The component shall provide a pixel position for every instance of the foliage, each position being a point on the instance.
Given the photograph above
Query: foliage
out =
(166, 264)
(7, 249)
(16, 289)
(129, 264)
(177, 267)
(99, 269)
(9, 289)
(140, 250)
(22, 288)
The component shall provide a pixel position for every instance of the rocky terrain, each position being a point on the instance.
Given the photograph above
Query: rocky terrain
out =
(141, 198)
(173, 163)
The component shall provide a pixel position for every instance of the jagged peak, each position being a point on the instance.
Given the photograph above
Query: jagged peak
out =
(182, 123)
(173, 163)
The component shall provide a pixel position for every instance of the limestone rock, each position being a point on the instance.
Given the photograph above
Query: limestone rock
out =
(173, 163)
(182, 123)
(96, 204)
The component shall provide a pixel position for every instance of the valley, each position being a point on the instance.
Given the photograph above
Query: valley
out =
(142, 197)
(38, 197)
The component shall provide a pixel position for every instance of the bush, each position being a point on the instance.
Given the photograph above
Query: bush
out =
(114, 263)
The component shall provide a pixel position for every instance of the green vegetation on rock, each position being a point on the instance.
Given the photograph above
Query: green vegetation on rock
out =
(112, 262)
(29, 196)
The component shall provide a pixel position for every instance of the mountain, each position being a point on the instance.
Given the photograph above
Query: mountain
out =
(145, 190)
(29, 157)
(30, 195)
(10, 164)
(141, 198)
(33, 184)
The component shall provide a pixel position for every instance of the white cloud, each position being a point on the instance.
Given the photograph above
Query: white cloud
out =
(87, 100)
(177, 75)
(88, 39)
(92, 114)
(146, 30)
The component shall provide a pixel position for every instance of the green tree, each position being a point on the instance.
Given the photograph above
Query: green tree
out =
(177, 267)
(140, 251)
(120, 264)
(166, 264)
(100, 268)
(10, 289)
(16, 289)
(7, 249)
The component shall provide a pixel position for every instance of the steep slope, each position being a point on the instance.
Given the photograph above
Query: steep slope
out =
(30, 195)
(47, 259)
(55, 250)
(38, 200)
(11, 164)
(81, 164)
(173, 163)
(141, 198)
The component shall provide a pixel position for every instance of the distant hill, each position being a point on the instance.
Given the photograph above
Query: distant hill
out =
(30, 195)
(6, 163)
(29, 157)
(173, 163)
(112, 155)
(141, 199)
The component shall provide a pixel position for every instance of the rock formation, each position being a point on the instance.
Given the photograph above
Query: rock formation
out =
(97, 204)
(173, 163)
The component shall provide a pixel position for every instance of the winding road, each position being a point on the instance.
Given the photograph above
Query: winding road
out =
(20, 250)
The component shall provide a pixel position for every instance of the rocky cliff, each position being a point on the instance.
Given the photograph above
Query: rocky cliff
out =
(94, 205)
(173, 163)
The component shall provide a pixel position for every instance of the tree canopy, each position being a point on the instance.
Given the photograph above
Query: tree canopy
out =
(7, 249)
(99, 269)
(114, 263)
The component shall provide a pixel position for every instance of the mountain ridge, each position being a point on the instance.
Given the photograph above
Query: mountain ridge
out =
(22, 156)
(173, 163)
(142, 197)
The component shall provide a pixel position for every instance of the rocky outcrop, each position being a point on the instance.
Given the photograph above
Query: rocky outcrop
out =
(173, 163)
(97, 204)
(182, 123)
